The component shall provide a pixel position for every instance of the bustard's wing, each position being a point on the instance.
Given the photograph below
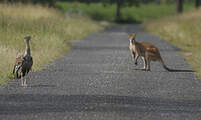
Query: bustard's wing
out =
(30, 63)
(18, 63)
(27, 62)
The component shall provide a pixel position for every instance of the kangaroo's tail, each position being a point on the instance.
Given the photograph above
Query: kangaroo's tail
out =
(165, 67)
(168, 69)
(173, 70)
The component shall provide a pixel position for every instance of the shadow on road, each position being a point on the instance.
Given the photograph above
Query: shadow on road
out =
(35, 103)
(178, 70)
(42, 86)
(100, 48)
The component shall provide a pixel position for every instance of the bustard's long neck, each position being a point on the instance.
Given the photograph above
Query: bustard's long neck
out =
(27, 50)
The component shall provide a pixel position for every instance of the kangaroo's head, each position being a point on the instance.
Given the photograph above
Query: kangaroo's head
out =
(132, 37)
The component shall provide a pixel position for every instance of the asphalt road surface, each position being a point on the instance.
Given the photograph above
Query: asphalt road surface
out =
(98, 81)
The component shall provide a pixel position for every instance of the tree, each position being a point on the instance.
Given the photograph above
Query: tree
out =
(118, 13)
(158, 2)
(179, 6)
(197, 3)
(120, 4)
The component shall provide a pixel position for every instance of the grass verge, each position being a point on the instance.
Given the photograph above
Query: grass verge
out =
(132, 14)
(51, 34)
(183, 31)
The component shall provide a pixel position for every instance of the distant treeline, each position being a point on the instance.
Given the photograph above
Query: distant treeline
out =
(125, 2)
(52, 2)
(107, 1)
(137, 1)
(43, 2)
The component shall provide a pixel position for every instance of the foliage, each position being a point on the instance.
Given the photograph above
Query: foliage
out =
(123, 3)
(43, 2)
(132, 14)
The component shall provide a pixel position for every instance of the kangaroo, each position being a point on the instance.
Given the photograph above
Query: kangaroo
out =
(146, 51)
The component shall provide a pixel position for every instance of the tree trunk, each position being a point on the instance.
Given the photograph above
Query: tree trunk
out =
(5, 1)
(197, 3)
(179, 6)
(158, 2)
(118, 14)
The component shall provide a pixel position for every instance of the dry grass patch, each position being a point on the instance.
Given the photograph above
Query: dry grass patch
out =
(183, 31)
(49, 29)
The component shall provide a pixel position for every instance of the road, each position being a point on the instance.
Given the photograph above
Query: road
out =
(98, 81)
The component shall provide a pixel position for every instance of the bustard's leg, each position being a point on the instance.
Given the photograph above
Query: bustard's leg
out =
(27, 77)
(22, 79)
(25, 80)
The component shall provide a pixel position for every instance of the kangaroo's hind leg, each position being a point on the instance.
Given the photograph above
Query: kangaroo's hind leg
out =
(147, 61)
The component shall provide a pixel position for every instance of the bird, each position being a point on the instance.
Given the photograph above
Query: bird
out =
(23, 63)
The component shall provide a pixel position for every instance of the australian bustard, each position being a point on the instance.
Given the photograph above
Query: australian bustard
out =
(23, 63)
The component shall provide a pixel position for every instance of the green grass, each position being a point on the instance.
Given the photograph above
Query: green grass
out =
(183, 31)
(134, 14)
(51, 34)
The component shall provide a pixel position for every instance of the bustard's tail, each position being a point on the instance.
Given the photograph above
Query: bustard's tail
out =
(18, 65)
